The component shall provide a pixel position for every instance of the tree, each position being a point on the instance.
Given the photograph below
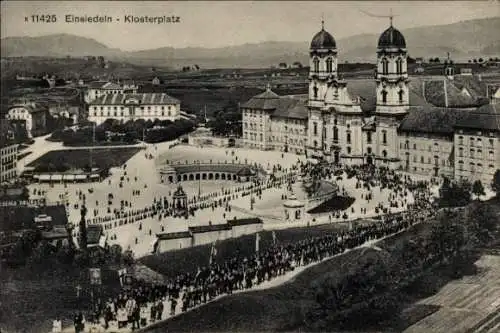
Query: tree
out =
(495, 184)
(478, 189)
(480, 60)
(474, 60)
(83, 229)
(436, 60)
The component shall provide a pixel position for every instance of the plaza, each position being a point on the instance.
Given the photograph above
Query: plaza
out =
(124, 202)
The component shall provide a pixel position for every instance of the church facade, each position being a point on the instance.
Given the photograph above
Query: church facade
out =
(386, 121)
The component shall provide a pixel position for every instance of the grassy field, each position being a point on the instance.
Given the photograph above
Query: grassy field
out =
(79, 158)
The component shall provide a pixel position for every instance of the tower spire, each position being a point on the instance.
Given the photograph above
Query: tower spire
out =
(322, 22)
(391, 16)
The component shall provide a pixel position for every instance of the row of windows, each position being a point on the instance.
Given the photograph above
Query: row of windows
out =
(348, 134)
(122, 114)
(107, 92)
(104, 108)
(385, 66)
(9, 150)
(5, 176)
(475, 141)
(385, 93)
(406, 145)
(9, 159)
(475, 153)
(253, 136)
(474, 167)
(430, 160)
(329, 65)
(21, 111)
(11, 167)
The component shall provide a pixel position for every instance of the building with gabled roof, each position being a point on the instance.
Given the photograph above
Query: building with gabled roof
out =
(29, 115)
(392, 120)
(96, 89)
(477, 144)
(125, 107)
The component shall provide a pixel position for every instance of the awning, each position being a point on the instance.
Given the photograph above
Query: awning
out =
(56, 177)
(94, 176)
(69, 177)
(80, 177)
(44, 177)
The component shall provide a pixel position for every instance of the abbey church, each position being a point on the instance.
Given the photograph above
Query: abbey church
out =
(427, 126)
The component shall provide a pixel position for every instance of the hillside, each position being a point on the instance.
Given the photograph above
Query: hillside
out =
(463, 40)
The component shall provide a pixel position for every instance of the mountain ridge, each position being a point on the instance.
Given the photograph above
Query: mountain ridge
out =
(463, 40)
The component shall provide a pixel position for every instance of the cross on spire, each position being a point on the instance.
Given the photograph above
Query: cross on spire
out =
(391, 16)
(322, 22)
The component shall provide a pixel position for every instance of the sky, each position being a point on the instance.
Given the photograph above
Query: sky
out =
(216, 24)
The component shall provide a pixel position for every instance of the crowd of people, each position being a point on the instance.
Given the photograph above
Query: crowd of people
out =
(143, 304)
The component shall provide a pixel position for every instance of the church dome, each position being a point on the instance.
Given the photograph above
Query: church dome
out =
(323, 40)
(391, 38)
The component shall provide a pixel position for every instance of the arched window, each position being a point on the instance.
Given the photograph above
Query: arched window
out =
(400, 94)
(348, 137)
(384, 96)
(316, 64)
(335, 134)
(315, 91)
(384, 153)
(399, 66)
(315, 143)
(315, 128)
(384, 137)
(385, 66)
(329, 65)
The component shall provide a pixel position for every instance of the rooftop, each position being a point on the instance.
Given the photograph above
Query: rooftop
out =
(280, 106)
(103, 85)
(174, 235)
(209, 228)
(486, 117)
(244, 221)
(143, 99)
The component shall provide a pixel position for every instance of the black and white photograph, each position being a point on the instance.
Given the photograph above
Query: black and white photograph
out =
(250, 166)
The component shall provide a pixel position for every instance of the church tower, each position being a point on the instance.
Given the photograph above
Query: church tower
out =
(392, 94)
(323, 68)
(322, 64)
(392, 73)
